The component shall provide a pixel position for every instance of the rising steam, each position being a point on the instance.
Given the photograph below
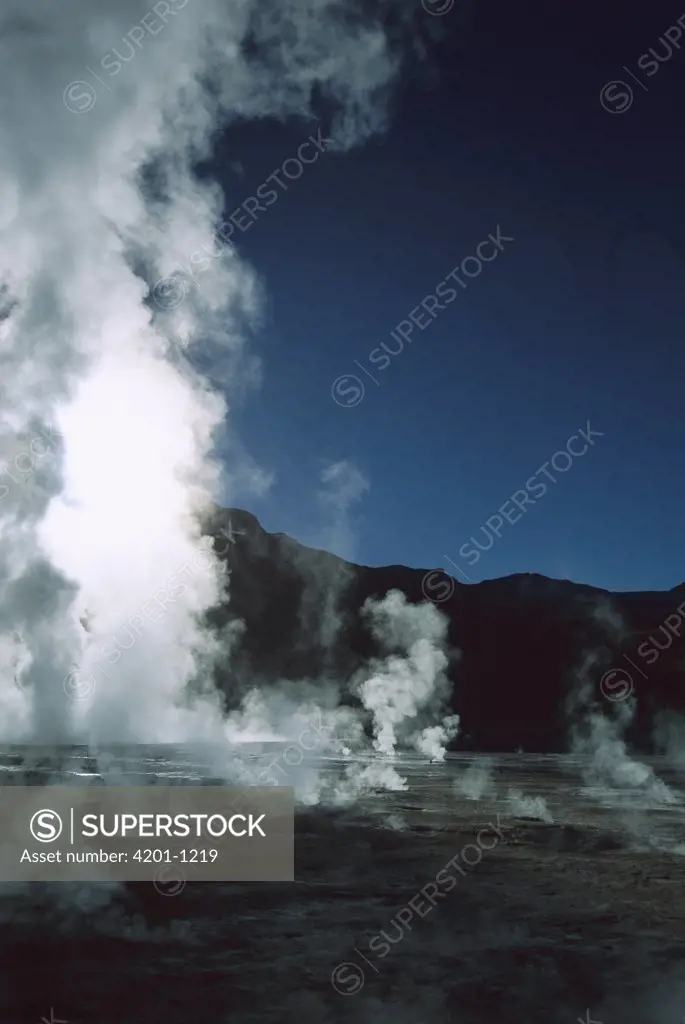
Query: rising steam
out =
(404, 705)
(99, 200)
(612, 775)
(408, 691)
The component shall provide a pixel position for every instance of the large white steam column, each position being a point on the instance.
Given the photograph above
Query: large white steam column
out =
(101, 515)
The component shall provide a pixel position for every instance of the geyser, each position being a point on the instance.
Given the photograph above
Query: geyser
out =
(101, 200)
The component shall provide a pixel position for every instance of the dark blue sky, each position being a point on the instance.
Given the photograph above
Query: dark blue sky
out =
(579, 318)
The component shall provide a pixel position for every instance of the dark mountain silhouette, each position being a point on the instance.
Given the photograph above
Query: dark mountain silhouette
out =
(519, 642)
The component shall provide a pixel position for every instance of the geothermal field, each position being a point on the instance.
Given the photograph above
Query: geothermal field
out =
(504, 888)
(489, 816)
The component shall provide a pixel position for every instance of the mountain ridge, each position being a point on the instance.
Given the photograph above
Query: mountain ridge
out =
(522, 639)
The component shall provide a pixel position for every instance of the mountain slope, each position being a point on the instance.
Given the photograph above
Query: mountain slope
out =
(522, 639)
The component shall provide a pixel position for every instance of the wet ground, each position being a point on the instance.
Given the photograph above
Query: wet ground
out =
(542, 920)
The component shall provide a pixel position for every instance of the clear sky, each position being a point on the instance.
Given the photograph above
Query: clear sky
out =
(579, 318)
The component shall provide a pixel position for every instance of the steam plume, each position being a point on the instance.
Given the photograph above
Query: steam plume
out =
(598, 735)
(106, 111)
(408, 692)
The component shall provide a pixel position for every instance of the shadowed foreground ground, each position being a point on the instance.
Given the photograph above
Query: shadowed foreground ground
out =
(552, 922)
